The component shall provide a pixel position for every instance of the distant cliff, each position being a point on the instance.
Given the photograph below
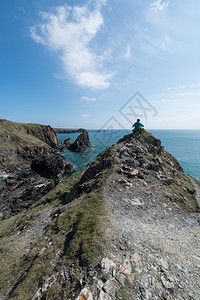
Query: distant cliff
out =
(126, 227)
(68, 130)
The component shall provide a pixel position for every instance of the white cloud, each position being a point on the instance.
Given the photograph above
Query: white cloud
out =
(157, 5)
(68, 31)
(127, 54)
(85, 115)
(179, 87)
(90, 99)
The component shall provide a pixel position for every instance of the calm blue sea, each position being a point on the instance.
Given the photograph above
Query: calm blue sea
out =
(184, 145)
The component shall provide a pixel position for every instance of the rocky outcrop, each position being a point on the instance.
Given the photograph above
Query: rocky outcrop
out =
(44, 133)
(81, 144)
(30, 167)
(126, 227)
(63, 146)
(67, 142)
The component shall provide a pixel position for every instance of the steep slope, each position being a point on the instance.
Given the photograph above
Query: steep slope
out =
(127, 227)
(30, 166)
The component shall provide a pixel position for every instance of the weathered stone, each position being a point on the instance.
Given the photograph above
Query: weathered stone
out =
(164, 178)
(110, 287)
(132, 173)
(136, 202)
(85, 294)
(144, 163)
(163, 263)
(126, 168)
(122, 180)
(42, 251)
(107, 264)
(126, 268)
(48, 283)
(136, 257)
(120, 278)
(104, 296)
(166, 283)
(2, 216)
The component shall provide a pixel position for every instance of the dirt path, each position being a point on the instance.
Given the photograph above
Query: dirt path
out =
(166, 238)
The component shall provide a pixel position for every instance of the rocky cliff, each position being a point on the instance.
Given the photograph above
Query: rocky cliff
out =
(126, 227)
(30, 166)
(15, 131)
(81, 144)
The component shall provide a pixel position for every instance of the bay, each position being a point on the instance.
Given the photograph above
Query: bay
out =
(184, 145)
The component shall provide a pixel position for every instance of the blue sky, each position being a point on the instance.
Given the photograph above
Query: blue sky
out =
(82, 63)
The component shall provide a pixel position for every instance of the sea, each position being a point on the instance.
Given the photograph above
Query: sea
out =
(184, 145)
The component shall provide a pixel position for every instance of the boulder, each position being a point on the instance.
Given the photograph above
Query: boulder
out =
(63, 146)
(67, 142)
(2, 217)
(82, 143)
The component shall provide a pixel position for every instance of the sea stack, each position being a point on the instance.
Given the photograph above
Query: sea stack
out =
(82, 143)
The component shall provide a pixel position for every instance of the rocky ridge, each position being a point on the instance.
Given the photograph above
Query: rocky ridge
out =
(126, 227)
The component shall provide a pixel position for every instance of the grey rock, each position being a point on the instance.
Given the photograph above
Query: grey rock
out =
(164, 179)
(81, 144)
(2, 216)
(132, 174)
(110, 287)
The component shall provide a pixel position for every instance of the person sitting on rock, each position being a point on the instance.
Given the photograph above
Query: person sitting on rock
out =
(137, 126)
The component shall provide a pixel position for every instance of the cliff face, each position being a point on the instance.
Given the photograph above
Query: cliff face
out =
(127, 227)
(42, 132)
(81, 144)
(30, 166)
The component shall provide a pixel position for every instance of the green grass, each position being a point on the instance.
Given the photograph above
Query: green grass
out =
(126, 291)
(83, 218)
(19, 137)
(76, 234)
(185, 192)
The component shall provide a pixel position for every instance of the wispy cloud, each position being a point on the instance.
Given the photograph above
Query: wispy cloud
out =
(68, 31)
(157, 5)
(156, 33)
(90, 99)
(85, 115)
(179, 87)
(127, 54)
